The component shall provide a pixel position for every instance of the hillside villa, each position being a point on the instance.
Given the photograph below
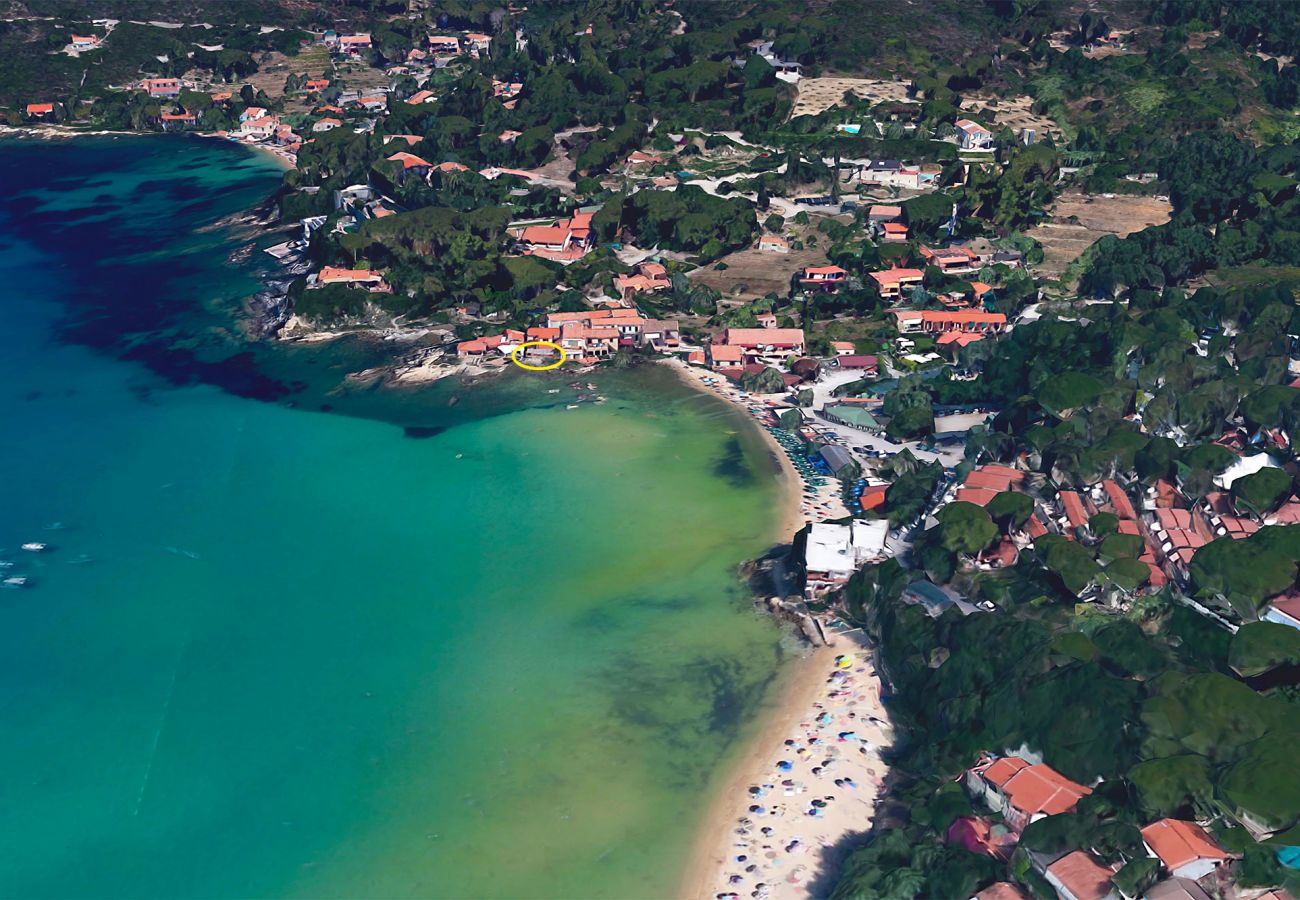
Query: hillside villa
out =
(564, 240)
(370, 279)
(951, 260)
(938, 321)
(973, 136)
(892, 282)
(824, 278)
(39, 110)
(649, 277)
(161, 87)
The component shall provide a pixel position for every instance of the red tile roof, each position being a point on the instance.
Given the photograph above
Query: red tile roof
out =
(1119, 500)
(1082, 876)
(763, 337)
(1042, 789)
(1177, 842)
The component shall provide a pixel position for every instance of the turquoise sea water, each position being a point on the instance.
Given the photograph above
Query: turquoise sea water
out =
(276, 651)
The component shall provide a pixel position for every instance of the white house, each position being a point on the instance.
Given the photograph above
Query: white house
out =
(974, 136)
(834, 552)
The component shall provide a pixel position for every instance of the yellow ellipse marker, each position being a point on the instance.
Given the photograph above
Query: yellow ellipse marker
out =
(514, 356)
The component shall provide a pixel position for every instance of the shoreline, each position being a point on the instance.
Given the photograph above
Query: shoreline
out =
(60, 132)
(809, 705)
(796, 758)
(791, 517)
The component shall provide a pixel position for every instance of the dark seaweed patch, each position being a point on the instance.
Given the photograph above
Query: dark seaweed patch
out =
(733, 466)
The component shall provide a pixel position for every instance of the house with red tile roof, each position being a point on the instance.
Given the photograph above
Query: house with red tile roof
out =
(39, 110)
(507, 89)
(421, 97)
(723, 356)
(1284, 610)
(894, 233)
(444, 43)
(1002, 890)
(1076, 514)
(479, 43)
(824, 278)
(161, 87)
(957, 339)
(773, 243)
(353, 43)
(370, 279)
(878, 213)
(83, 42)
(649, 277)
(640, 158)
(1184, 849)
(564, 240)
(1021, 791)
(951, 260)
(411, 164)
(843, 348)
(1077, 876)
(1178, 533)
(326, 124)
(892, 282)
(259, 128)
(973, 136)
(317, 84)
(184, 117)
(764, 344)
(937, 321)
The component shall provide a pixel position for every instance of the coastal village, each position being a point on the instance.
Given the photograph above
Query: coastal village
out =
(1033, 391)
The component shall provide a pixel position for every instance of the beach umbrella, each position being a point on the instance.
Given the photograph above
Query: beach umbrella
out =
(785, 765)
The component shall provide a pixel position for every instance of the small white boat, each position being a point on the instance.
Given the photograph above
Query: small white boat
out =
(553, 391)
(15, 581)
(34, 546)
(572, 406)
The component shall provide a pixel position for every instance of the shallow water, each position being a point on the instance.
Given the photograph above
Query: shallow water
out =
(496, 649)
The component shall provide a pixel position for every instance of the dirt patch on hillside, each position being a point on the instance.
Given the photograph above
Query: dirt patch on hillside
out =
(1015, 113)
(816, 95)
(751, 274)
(271, 74)
(1080, 220)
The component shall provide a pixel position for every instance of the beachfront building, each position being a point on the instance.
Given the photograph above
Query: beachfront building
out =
(39, 110)
(258, 129)
(892, 282)
(373, 281)
(833, 553)
(179, 120)
(822, 278)
(1021, 791)
(931, 321)
(564, 240)
(587, 344)
(951, 260)
(763, 345)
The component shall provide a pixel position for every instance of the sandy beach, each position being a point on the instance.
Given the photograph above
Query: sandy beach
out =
(809, 780)
(798, 506)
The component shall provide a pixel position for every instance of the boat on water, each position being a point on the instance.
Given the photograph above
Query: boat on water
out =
(35, 546)
(572, 406)
(16, 581)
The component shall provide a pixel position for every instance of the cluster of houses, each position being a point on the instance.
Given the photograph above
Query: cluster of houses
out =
(1019, 791)
(586, 337)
